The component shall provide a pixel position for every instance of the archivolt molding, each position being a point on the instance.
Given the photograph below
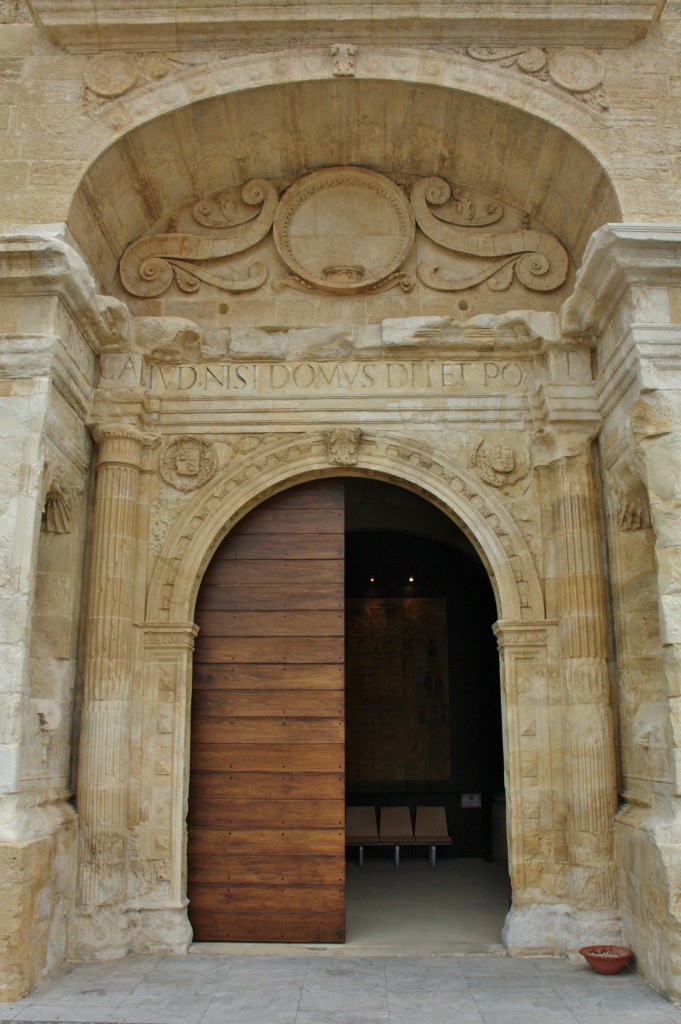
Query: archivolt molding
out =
(172, 81)
(295, 458)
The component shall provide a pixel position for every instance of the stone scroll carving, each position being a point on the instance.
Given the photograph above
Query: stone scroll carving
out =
(538, 260)
(346, 231)
(149, 264)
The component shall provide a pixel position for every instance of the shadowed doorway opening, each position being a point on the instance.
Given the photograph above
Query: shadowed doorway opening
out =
(422, 697)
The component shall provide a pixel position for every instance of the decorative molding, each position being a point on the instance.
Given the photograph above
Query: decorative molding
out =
(187, 463)
(148, 266)
(346, 231)
(162, 25)
(574, 70)
(538, 260)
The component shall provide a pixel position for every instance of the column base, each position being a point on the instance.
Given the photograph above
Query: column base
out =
(558, 929)
(110, 933)
(160, 930)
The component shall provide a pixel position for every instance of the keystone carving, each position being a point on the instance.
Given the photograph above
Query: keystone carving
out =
(343, 446)
(343, 59)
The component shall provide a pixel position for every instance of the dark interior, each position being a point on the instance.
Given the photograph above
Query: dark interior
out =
(392, 536)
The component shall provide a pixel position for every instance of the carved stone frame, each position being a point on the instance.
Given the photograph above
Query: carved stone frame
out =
(533, 785)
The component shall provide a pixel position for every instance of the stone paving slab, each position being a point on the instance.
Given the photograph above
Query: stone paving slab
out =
(317, 989)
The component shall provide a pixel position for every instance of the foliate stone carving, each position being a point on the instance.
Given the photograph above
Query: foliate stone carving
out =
(577, 71)
(538, 260)
(343, 446)
(148, 265)
(111, 74)
(498, 464)
(188, 462)
(344, 229)
(343, 59)
(531, 61)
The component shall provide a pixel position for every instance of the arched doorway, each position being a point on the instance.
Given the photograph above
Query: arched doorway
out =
(278, 611)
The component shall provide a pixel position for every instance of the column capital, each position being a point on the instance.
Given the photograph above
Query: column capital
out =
(121, 443)
(518, 633)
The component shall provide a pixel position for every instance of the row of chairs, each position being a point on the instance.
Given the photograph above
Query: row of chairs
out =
(395, 829)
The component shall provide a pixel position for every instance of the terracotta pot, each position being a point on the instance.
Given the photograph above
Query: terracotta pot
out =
(606, 959)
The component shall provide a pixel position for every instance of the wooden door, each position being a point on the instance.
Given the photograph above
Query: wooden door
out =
(266, 850)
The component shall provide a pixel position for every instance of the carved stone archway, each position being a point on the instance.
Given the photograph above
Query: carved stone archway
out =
(523, 633)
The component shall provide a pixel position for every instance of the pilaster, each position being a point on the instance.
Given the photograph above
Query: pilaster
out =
(104, 767)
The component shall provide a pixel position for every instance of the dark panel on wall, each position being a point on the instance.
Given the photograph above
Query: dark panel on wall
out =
(266, 799)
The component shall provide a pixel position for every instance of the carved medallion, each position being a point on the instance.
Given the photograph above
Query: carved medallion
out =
(497, 464)
(576, 70)
(188, 462)
(112, 74)
(344, 229)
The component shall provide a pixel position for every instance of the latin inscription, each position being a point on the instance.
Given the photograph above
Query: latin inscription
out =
(314, 377)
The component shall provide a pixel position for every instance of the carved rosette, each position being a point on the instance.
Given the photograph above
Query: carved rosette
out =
(187, 463)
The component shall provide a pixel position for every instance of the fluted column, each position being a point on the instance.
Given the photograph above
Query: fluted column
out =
(589, 740)
(105, 732)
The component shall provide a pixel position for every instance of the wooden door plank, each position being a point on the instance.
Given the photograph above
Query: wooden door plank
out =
(292, 521)
(271, 785)
(249, 814)
(276, 757)
(211, 869)
(238, 596)
(322, 927)
(268, 703)
(271, 623)
(291, 548)
(252, 571)
(262, 898)
(260, 676)
(251, 731)
(273, 650)
(294, 842)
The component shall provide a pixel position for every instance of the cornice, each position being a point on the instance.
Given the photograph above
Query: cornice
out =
(620, 257)
(83, 25)
(41, 264)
